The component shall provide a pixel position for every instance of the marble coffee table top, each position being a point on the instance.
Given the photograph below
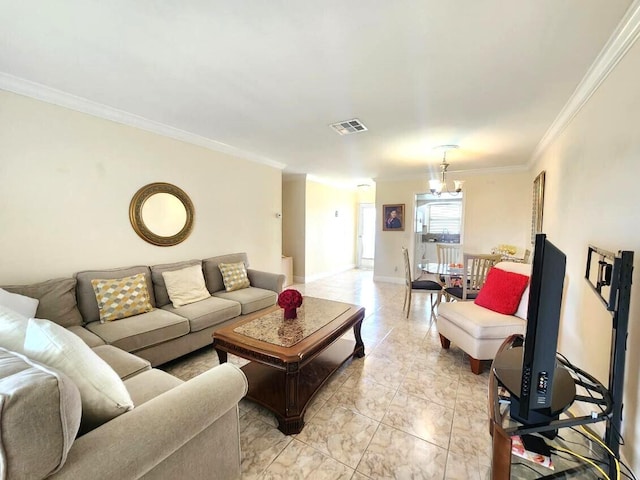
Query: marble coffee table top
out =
(272, 328)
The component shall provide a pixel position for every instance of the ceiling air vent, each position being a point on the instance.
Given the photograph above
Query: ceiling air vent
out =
(348, 127)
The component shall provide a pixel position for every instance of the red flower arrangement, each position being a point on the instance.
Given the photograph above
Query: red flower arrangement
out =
(289, 300)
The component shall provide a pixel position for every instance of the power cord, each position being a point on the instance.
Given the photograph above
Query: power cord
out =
(584, 459)
(579, 373)
(630, 473)
(597, 439)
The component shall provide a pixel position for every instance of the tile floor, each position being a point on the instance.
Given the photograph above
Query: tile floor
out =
(407, 410)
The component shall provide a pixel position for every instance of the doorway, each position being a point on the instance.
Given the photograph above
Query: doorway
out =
(366, 236)
(439, 219)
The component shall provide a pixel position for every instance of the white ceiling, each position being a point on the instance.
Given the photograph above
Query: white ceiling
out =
(266, 78)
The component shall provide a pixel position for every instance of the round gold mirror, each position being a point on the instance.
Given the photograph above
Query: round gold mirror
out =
(161, 214)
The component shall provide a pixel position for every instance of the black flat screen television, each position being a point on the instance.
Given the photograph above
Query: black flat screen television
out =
(543, 324)
(540, 390)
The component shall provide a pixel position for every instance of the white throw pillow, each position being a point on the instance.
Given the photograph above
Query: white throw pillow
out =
(186, 285)
(12, 329)
(103, 394)
(523, 306)
(22, 304)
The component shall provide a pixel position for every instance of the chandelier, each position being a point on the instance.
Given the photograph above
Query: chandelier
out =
(437, 186)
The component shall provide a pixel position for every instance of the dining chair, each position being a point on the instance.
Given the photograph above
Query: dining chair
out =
(427, 286)
(448, 253)
(472, 277)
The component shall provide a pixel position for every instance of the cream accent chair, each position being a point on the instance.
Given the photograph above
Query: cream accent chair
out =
(478, 331)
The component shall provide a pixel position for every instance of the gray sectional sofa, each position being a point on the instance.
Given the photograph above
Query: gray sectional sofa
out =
(166, 332)
(176, 429)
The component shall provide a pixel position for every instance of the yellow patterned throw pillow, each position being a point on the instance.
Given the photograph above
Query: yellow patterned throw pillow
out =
(234, 276)
(121, 297)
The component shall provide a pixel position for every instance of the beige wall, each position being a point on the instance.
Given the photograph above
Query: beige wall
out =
(293, 222)
(320, 242)
(67, 180)
(497, 209)
(592, 173)
(330, 229)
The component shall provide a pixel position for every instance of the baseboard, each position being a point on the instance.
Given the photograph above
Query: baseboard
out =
(320, 276)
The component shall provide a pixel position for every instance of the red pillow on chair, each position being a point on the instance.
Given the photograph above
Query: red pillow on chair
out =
(502, 291)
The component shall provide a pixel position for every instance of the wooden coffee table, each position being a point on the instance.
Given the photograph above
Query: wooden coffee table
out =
(290, 360)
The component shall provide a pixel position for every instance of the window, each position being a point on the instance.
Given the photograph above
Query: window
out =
(444, 217)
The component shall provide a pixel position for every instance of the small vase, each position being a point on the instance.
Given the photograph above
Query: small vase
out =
(290, 313)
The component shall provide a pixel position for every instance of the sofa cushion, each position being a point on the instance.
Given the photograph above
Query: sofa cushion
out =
(186, 285)
(22, 304)
(159, 286)
(12, 329)
(87, 303)
(121, 297)
(480, 322)
(123, 363)
(150, 384)
(251, 299)
(141, 331)
(234, 276)
(207, 313)
(40, 413)
(102, 393)
(212, 274)
(57, 300)
(87, 337)
(502, 291)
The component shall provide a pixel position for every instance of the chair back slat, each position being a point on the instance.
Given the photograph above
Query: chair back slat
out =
(407, 267)
(448, 253)
(476, 271)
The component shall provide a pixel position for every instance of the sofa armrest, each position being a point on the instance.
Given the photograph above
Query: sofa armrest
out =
(135, 442)
(266, 280)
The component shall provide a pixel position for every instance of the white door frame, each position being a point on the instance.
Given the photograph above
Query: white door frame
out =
(359, 261)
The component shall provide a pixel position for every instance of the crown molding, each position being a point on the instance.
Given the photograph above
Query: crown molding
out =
(475, 171)
(66, 100)
(621, 40)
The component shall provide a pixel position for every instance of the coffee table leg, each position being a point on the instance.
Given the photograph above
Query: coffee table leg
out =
(222, 356)
(358, 350)
(293, 422)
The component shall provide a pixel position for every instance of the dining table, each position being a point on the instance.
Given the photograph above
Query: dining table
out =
(448, 274)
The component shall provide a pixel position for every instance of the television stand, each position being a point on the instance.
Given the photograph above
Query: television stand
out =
(507, 367)
(506, 373)
(609, 275)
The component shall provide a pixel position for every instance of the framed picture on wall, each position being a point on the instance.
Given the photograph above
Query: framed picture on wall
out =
(538, 206)
(393, 217)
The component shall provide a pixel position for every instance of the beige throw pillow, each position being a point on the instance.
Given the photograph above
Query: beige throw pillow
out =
(121, 297)
(102, 393)
(234, 276)
(186, 285)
